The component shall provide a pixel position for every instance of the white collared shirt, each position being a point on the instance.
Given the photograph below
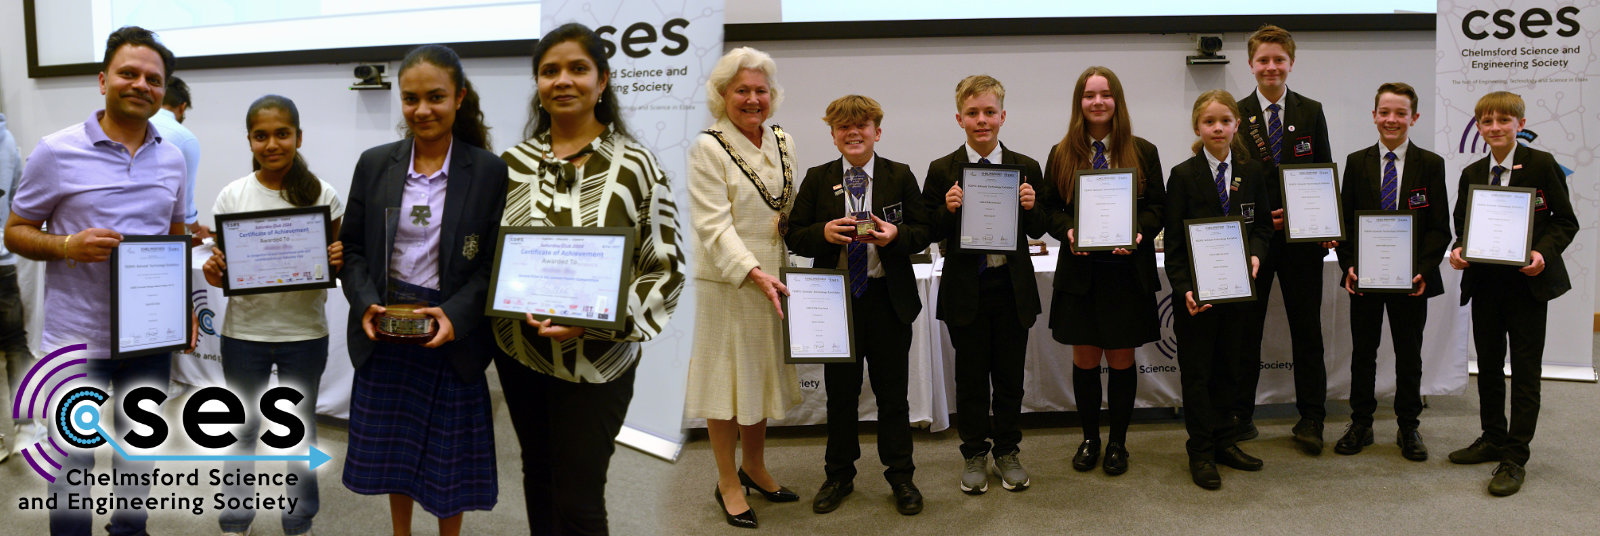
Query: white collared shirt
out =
(1106, 141)
(1283, 105)
(1505, 177)
(874, 266)
(1399, 168)
(1213, 163)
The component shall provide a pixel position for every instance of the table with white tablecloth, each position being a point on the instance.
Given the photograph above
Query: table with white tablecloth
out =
(1047, 382)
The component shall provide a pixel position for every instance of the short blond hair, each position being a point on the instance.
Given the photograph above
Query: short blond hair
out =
(979, 84)
(729, 66)
(1271, 34)
(852, 109)
(1504, 102)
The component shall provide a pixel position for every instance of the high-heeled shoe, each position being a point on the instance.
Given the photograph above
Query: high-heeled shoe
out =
(745, 520)
(782, 495)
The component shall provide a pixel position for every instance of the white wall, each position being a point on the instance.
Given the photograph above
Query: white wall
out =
(913, 78)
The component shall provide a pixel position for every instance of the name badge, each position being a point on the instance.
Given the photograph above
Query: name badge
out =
(1419, 199)
(1248, 211)
(1234, 186)
(1303, 146)
(838, 190)
(894, 214)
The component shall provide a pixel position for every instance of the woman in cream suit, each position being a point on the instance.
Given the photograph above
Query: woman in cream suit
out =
(741, 186)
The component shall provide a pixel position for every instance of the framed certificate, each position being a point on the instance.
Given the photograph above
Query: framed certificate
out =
(1311, 205)
(150, 303)
(817, 321)
(989, 208)
(1385, 243)
(574, 276)
(276, 250)
(1499, 225)
(1219, 261)
(1105, 204)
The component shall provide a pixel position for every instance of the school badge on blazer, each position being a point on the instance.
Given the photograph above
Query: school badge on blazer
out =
(894, 214)
(1248, 211)
(470, 249)
(1418, 199)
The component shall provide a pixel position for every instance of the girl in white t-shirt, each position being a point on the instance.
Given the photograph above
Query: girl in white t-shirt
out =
(286, 329)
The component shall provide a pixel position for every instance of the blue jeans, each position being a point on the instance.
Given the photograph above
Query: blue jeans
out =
(117, 377)
(247, 367)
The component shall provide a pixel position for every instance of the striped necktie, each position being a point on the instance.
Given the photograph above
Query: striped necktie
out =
(1391, 186)
(1275, 133)
(1099, 155)
(1222, 186)
(856, 252)
(1498, 170)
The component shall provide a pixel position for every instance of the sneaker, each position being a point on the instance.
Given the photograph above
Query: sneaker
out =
(1012, 476)
(974, 478)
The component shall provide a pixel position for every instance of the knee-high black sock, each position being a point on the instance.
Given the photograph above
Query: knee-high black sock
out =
(1086, 389)
(1122, 385)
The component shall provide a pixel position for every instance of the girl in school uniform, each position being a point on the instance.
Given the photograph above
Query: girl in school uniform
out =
(1105, 301)
(1218, 181)
(286, 329)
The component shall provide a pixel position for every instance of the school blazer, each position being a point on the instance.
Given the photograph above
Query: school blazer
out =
(1421, 191)
(474, 200)
(822, 199)
(1554, 224)
(1072, 271)
(1192, 193)
(957, 303)
(1302, 122)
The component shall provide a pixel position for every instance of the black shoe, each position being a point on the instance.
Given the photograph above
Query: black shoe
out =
(1205, 474)
(831, 495)
(1088, 455)
(1247, 430)
(1116, 459)
(1480, 451)
(1411, 446)
(1308, 434)
(782, 495)
(1356, 437)
(907, 499)
(746, 520)
(1237, 459)
(1507, 479)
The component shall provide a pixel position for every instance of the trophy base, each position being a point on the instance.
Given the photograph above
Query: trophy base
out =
(397, 338)
(401, 324)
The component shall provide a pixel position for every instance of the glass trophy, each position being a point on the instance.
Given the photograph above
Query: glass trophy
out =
(400, 323)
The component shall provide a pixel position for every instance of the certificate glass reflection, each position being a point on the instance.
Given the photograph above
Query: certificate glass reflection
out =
(1218, 260)
(575, 276)
(150, 301)
(1105, 204)
(990, 207)
(276, 250)
(818, 326)
(1311, 203)
(1499, 226)
(1385, 249)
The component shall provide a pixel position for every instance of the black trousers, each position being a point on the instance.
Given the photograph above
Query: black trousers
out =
(567, 432)
(1407, 316)
(1210, 354)
(883, 345)
(990, 352)
(1298, 269)
(1504, 309)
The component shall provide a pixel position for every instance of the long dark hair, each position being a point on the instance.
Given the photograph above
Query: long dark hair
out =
(606, 111)
(300, 186)
(469, 126)
(1074, 146)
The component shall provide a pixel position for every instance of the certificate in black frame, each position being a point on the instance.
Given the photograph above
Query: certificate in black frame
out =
(1338, 203)
(180, 242)
(330, 281)
(1466, 232)
(961, 179)
(624, 276)
(849, 317)
(1194, 274)
(1133, 208)
(1407, 214)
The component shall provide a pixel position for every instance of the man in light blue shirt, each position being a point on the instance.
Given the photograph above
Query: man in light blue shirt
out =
(13, 333)
(168, 121)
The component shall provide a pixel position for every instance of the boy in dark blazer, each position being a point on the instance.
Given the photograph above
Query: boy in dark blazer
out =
(833, 198)
(1212, 337)
(988, 301)
(1510, 301)
(1283, 127)
(1393, 174)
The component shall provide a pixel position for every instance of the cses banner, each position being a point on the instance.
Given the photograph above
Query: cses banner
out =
(662, 53)
(1544, 51)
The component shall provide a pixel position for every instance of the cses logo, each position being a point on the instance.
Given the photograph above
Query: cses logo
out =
(76, 417)
(203, 312)
(1168, 345)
